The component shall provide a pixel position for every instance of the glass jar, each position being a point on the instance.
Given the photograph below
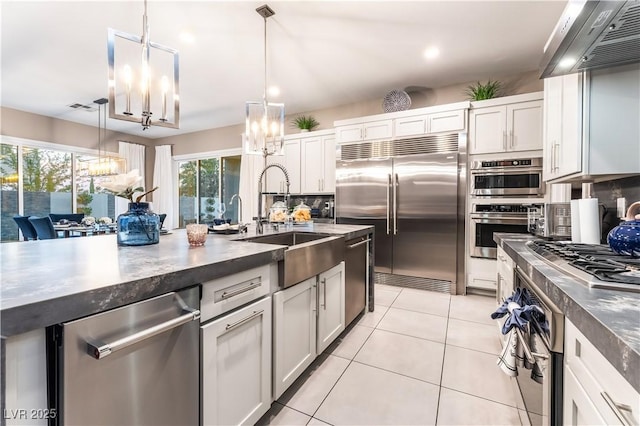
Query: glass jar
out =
(301, 213)
(139, 226)
(278, 212)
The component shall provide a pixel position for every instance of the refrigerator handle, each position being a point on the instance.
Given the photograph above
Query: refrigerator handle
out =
(388, 195)
(395, 206)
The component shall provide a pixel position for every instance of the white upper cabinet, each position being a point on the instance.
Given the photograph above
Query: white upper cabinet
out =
(591, 125)
(446, 121)
(318, 163)
(310, 160)
(415, 122)
(291, 161)
(562, 126)
(509, 124)
(372, 130)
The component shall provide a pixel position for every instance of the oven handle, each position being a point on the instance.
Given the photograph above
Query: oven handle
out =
(507, 218)
(531, 356)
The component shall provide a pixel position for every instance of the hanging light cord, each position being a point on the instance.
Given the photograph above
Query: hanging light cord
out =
(265, 61)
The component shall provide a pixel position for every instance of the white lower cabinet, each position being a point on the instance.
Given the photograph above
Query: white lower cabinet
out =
(294, 333)
(595, 393)
(236, 366)
(307, 317)
(330, 306)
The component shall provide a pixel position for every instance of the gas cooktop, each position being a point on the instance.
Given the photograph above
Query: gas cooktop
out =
(593, 264)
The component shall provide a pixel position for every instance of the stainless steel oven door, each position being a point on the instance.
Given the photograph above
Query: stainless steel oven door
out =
(543, 401)
(483, 225)
(522, 182)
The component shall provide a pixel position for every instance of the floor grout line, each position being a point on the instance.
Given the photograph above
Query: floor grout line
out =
(444, 353)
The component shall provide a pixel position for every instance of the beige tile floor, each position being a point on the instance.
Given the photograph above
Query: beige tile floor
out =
(421, 358)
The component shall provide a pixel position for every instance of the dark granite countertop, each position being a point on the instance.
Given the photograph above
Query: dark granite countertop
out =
(610, 319)
(52, 281)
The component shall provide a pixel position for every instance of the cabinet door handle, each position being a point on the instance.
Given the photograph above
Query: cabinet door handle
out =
(557, 156)
(504, 140)
(324, 292)
(512, 139)
(618, 409)
(244, 320)
(552, 162)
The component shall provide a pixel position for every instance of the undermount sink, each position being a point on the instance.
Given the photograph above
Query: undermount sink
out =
(307, 254)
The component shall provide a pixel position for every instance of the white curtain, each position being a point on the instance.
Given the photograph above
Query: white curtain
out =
(134, 154)
(163, 201)
(250, 168)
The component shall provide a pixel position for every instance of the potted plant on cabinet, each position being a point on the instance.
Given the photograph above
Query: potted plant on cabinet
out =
(480, 92)
(305, 123)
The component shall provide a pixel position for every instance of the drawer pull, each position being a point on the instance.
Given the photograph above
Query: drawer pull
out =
(251, 286)
(618, 409)
(244, 320)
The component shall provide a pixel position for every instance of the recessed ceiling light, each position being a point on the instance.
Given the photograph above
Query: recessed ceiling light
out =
(274, 91)
(431, 52)
(187, 37)
(566, 62)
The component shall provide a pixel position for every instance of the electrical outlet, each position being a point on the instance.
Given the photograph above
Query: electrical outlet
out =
(622, 207)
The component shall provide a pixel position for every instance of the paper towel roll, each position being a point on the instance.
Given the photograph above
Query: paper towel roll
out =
(589, 221)
(575, 222)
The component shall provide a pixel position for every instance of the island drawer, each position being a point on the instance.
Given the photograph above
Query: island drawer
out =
(224, 294)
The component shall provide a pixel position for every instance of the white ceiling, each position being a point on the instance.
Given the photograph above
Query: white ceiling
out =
(321, 53)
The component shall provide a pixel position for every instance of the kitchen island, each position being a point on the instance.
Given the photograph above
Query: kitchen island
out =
(609, 319)
(54, 281)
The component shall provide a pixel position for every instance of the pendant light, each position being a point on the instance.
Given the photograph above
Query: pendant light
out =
(104, 165)
(162, 91)
(264, 130)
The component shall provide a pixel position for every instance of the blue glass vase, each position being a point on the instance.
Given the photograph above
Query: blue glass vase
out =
(139, 226)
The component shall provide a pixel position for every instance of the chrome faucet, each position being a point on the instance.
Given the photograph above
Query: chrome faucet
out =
(233, 197)
(286, 196)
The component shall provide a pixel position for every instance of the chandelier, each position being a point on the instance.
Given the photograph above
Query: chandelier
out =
(103, 165)
(126, 105)
(264, 131)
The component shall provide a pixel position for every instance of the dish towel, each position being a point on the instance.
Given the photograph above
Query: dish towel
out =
(519, 318)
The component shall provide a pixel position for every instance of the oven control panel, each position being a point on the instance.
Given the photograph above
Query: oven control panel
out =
(501, 208)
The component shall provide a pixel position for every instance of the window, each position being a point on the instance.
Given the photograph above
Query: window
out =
(205, 187)
(41, 179)
(46, 181)
(9, 194)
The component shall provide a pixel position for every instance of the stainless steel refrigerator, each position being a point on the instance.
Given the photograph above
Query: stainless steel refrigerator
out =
(410, 191)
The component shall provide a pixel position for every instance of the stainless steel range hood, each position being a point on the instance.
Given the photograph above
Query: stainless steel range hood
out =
(593, 34)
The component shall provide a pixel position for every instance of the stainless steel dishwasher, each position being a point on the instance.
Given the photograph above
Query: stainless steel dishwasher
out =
(355, 271)
(134, 365)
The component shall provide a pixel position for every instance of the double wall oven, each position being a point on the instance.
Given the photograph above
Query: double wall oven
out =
(501, 191)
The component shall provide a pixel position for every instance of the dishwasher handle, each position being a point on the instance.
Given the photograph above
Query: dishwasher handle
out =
(101, 351)
(358, 243)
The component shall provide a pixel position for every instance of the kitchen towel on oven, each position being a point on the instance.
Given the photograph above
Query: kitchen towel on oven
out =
(519, 319)
(522, 309)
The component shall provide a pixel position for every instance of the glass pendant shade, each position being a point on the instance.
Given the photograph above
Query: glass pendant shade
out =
(264, 131)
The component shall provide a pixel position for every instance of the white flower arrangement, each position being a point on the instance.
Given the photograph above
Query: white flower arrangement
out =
(126, 186)
(105, 221)
(88, 221)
